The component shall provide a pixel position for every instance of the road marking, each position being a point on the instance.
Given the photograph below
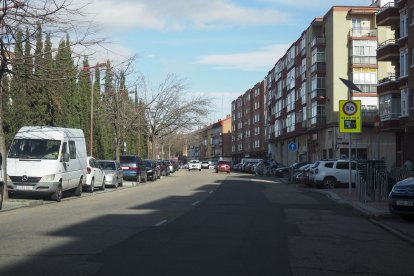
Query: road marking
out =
(195, 203)
(161, 223)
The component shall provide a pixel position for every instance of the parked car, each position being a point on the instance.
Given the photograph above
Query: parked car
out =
(95, 177)
(47, 161)
(223, 166)
(134, 168)
(401, 199)
(194, 165)
(114, 175)
(205, 164)
(153, 169)
(331, 173)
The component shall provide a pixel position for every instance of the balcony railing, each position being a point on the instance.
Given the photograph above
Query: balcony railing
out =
(318, 92)
(392, 77)
(386, 43)
(386, 6)
(390, 116)
(361, 32)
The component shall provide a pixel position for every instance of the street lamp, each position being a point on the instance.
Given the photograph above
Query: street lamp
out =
(88, 69)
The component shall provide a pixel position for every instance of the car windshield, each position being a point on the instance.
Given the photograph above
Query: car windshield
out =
(194, 161)
(148, 163)
(106, 165)
(35, 149)
(128, 159)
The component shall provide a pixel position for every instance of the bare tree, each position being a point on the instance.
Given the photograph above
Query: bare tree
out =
(123, 114)
(170, 108)
(57, 17)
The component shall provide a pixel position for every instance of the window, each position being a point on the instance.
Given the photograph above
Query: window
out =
(403, 24)
(404, 63)
(290, 79)
(329, 165)
(364, 76)
(342, 165)
(318, 55)
(404, 102)
(72, 149)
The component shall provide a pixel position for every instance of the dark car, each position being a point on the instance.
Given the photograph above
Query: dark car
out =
(223, 166)
(153, 169)
(401, 199)
(134, 168)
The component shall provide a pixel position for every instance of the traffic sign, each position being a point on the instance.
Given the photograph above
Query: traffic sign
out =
(350, 116)
(292, 146)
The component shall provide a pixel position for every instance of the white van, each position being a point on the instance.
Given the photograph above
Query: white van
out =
(46, 160)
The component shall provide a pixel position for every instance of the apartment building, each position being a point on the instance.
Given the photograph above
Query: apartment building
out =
(212, 142)
(248, 122)
(396, 89)
(303, 89)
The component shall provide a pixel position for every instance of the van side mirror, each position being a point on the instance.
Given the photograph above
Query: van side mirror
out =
(65, 157)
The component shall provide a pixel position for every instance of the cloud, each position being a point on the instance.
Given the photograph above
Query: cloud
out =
(261, 60)
(180, 14)
(321, 5)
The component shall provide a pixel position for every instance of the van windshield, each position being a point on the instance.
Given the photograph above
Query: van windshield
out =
(35, 149)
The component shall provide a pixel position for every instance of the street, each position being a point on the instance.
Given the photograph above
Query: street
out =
(199, 223)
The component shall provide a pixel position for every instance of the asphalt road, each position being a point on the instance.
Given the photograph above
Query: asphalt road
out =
(199, 223)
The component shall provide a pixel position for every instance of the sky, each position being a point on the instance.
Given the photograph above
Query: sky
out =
(219, 48)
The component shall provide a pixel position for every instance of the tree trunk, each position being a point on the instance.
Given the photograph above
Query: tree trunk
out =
(3, 151)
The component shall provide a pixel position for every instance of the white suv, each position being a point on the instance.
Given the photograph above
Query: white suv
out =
(330, 173)
(194, 165)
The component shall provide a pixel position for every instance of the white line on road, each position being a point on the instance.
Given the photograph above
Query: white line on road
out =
(161, 223)
(195, 203)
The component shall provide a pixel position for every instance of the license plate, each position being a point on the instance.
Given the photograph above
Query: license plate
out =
(24, 188)
(404, 203)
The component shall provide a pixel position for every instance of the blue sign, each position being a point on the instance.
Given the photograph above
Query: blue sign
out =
(293, 146)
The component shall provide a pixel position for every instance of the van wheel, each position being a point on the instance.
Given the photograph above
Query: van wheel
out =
(92, 186)
(103, 185)
(329, 182)
(78, 190)
(57, 194)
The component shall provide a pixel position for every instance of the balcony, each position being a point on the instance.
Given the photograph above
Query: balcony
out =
(367, 88)
(363, 60)
(388, 50)
(318, 67)
(362, 32)
(318, 41)
(388, 84)
(318, 92)
(318, 121)
(388, 15)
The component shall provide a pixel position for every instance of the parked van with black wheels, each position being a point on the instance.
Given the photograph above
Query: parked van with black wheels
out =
(134, 168)
(45, 160)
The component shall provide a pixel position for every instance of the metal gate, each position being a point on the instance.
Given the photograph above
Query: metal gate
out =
(372, 180)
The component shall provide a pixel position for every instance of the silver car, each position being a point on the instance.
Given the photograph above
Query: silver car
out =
(114, 174)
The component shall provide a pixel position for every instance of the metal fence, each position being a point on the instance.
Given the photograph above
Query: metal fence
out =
(372, 180)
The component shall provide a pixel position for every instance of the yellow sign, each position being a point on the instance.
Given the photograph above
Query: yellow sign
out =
(349, 116)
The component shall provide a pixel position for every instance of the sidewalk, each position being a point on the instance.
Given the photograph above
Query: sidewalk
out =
(376, 212)
(20, 203)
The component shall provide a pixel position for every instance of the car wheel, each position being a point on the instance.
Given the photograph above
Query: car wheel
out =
(329, 182)
(91, 187)
(200, 170)
(103, 185)
(78, 190)
(57, 194)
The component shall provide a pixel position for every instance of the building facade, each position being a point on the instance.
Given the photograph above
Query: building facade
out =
(396, 89)
(212, 142)
(248, 138)
(303, 90)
